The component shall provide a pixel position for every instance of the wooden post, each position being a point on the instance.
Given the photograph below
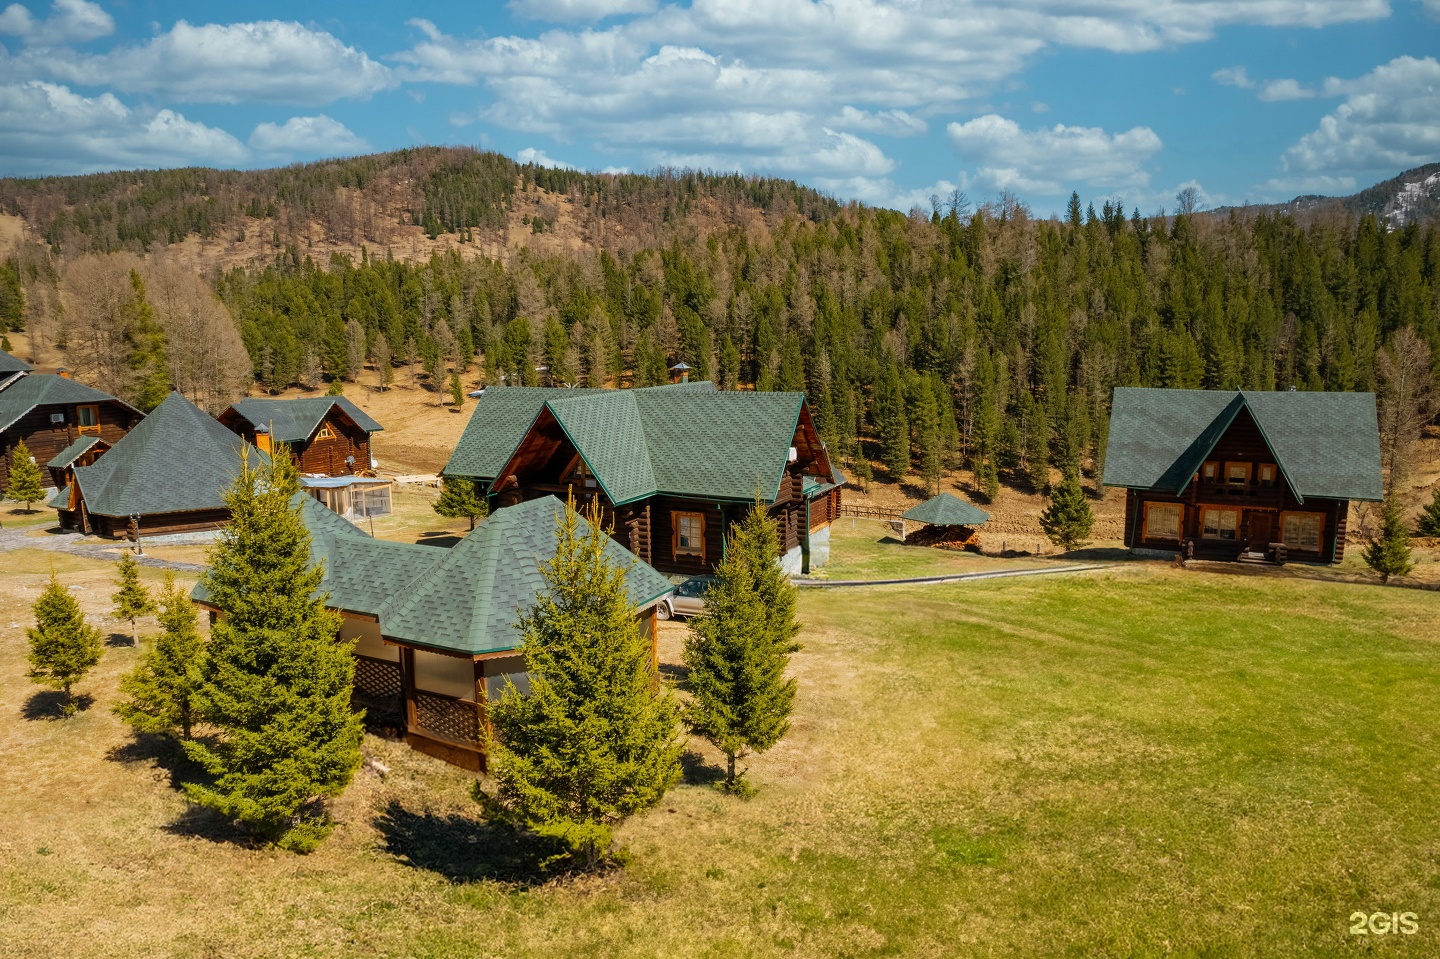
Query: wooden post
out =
(407, 683)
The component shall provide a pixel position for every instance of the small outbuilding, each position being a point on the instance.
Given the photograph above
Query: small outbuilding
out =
(950, 520)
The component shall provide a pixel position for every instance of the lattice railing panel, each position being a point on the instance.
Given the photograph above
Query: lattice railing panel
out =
(378, 679)
(451, 718)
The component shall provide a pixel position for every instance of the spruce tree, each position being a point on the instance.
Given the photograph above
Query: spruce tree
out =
(738, 650)
(277, 679)
(1389, 553)
(336, 387)
(162, 687)
(132, 600)
(457, 391)
(25, 477)
(1429, 523)
(1068, 519)
(1037, 447)
(63, 646)
(596, 740)
(145, 347)
(458, 499)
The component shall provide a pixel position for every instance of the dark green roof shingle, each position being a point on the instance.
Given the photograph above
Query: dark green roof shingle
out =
(504, 415)
(946, 509)
(294, 421)
(178, 459)
(45, 389)
(73, 452)
(13, 364)
(1327, 445)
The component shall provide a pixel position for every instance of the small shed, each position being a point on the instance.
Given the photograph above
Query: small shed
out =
(950, 522)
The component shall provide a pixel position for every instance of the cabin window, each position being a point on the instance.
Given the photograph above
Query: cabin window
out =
(326, 433)
(89, 418)
(688, 534)
(1162, 520)
(1237, 474)
(1302, 530)
(1266, 473)
(1210, 473)
(1219, 523)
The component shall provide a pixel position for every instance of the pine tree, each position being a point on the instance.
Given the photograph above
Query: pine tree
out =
(132, 600)
(1389, 553)
(458, 499)
(457, 391)
(162, 687)
(63, 646)
(1037, 447)
(1429, 524)
(596, 740)
(1068, 519)
(277, 680)
(25, 477)
(738, 650)
(145, 349)
(336, 387)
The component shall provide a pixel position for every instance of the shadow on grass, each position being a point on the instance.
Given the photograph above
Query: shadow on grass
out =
(695, 770)
(677, 673)
(120, 640)
(462, 849)
(161, 752)
(50, 704)
(202, 822)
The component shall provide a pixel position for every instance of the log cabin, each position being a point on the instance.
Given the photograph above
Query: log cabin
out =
(435, 629)
(168, 475)
(329, 436)
(49, 412)
(1249, 476)
(11, 367)
(671, 466)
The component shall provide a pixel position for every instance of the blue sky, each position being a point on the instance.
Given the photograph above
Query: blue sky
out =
(885, 101)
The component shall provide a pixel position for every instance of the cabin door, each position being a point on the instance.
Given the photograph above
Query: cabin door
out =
(1262, 529)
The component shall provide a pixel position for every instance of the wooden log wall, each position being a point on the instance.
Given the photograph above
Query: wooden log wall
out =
(46, 440)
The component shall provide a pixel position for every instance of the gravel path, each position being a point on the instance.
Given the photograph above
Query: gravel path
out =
(77, 544)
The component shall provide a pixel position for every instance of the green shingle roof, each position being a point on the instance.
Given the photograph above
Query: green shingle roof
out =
(13, 364)
(466, 599)
(176, 460)
(504, 415)
(470, 601)
(73, 452)
(294, 421)
(1327, 445)
(45, 389)
(946, 509)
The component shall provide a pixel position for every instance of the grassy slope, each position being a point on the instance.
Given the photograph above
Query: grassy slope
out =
(1142, 762)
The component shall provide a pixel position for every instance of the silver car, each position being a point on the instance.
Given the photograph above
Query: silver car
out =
(687, 600)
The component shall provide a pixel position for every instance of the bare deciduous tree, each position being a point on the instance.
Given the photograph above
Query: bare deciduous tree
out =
(208, 361)
(1407, 399)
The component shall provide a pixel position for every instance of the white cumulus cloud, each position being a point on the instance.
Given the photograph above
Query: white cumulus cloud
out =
(48, 128)
(1389, 121)
(1052, 160)
(1274, 91)
(579, 9)
(1233, 77)
(70, 21)
(539, 158)
(895, 123)
(270, 61)
(307, 136)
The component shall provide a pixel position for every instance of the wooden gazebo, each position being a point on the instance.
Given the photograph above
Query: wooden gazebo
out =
(949, 520)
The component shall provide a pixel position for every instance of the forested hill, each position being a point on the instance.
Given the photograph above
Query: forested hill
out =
(985, 339)
(370, 200)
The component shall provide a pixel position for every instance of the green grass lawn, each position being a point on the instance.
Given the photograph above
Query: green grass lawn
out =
(867, 549)
(1149, 762)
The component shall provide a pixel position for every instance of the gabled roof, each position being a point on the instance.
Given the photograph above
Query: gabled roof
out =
(503, 416)
(12, 364)
(946, 509)
(1327, 445)
(465, 599)
(177, 459)
(47, 389)
(74, 451)
(294, 421)
(470, 601)
(699, 444)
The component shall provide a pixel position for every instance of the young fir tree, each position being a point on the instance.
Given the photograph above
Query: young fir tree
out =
(737, 651)
(457, 391)
(25, 477)
(458, 499)
(132, 600)
(1429, 523)
(1068, 519)
(597, 739)
(63, 646)
(145, 348)
(1389, 553)
(277, 680)
(162, 687)
(336, 387)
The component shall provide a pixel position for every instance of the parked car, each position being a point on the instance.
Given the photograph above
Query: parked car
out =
(687, 600)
